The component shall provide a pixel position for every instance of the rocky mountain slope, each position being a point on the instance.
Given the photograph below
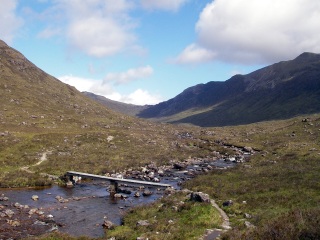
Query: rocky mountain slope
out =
(39, 115)
(128, 109)
(279, 91)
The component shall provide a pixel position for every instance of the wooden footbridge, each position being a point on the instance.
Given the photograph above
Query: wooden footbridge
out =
(115, 181)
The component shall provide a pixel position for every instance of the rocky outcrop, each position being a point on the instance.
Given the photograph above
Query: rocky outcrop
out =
(200, 197)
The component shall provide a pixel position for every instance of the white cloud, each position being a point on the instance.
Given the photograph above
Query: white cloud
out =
(141, 97)
(9, 22)
(168, 5)
(129, 75)
(87, 84)
(194, 54)
(256, 31)
(98, 28)
(99, 87)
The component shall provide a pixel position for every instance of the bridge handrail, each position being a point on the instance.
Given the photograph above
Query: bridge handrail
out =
(132, 181)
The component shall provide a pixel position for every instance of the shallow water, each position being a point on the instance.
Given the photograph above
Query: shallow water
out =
(89, 203)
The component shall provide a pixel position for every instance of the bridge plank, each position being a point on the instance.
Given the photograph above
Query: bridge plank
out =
(112, 179)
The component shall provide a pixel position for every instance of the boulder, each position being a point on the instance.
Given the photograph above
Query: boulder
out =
(169, 190)
(249, 224)
(137, 194)
(179, 166)
(9, 213)
(200, 197)
(143, 223)
(3, 198)
(147, 193)
(32, 211)
(108, 224)
(35, 197)
(248, 149)
(227, 203)
(14, 223)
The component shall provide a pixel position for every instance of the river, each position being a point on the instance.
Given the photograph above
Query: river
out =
(81, 210)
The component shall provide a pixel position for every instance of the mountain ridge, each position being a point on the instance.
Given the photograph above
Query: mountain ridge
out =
(125, 108)
(40, 115)
(278, 91)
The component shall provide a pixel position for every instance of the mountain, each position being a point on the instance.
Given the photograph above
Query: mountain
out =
(48, 128)
(278, 91)
(128, 109)
(28, 93)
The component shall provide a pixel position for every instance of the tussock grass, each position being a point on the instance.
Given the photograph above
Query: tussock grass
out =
(280, 181)
(174, 217)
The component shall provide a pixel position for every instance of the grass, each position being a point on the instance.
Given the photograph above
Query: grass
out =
(174, 217)
(280, 181)
(279, 185)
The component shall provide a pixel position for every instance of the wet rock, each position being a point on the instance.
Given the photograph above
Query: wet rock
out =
(147, 193)
(137, 194)
(169, 190)
(156, 180)
(17, 205)
(117, 195)
(179, 166)
(40, 213)
(125, 191)
(200, 197)
(248, 149)
(209, 167)
(35, 197)
(69, 184)
(9, 213)
(14, 223)
(144, 223)
(40, 223)
(32, 211)
(4, 199)
(161, 172)
(61, 199)
(108, 224)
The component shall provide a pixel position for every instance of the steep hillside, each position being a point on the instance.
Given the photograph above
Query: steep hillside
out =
(48, 127)
(128, 109)
(279, 91)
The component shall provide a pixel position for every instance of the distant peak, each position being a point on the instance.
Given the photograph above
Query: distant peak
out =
(308, 57)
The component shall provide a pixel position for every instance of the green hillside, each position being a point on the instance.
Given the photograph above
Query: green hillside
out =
(39, 115)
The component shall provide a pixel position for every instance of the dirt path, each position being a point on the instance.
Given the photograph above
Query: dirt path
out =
(226, 221)
(42, 159)
(215, 233)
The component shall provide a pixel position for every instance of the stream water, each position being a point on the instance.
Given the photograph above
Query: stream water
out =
(88, 204)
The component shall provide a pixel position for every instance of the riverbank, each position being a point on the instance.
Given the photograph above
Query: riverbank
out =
(83, 209)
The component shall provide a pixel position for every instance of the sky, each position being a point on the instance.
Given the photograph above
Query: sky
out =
(148, 51)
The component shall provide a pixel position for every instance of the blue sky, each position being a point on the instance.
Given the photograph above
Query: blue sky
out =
(147, 51)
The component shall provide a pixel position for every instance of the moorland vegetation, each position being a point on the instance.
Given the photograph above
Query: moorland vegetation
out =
(274, 196)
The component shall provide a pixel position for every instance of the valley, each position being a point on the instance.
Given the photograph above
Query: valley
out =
(49, 128)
